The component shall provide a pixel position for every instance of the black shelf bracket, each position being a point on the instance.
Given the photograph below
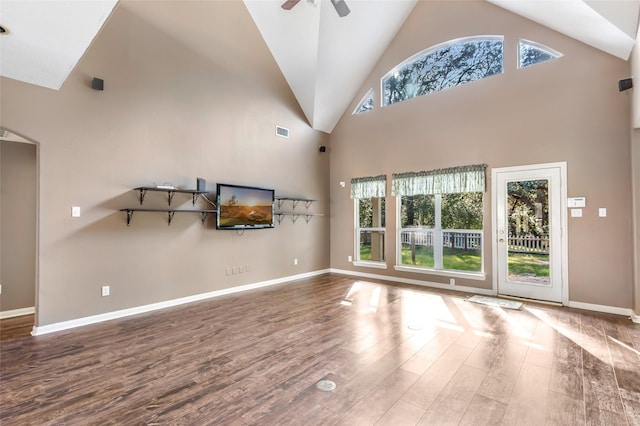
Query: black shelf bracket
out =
(129, 216)
(143, 192)
(170, 195)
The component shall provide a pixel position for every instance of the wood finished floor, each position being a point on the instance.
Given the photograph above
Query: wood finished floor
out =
(400, 355)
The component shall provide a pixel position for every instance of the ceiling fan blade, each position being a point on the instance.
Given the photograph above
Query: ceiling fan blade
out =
(288, 5)
(341, 7)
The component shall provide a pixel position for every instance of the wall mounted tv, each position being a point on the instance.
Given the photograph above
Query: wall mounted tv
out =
(244, 207)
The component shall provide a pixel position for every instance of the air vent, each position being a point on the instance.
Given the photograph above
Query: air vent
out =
(282, 131)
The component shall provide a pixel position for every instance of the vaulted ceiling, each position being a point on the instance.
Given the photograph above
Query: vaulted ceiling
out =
(323, 57)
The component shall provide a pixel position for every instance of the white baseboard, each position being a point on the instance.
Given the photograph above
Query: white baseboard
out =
(482, 291)
(635, 318)
(603, 308)
(79, 322)
(17, 312)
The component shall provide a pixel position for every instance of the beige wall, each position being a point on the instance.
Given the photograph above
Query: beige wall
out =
(17, 225)
(564, 110)
(172, 110)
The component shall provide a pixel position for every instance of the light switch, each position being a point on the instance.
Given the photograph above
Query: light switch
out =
(75, 211)
(576, 212)
(602, 212)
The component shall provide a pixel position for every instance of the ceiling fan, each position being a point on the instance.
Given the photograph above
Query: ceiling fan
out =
(340, 6)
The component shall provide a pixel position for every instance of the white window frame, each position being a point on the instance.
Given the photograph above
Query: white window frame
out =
(538, 46)
(438, 237)
(433, 49)
(357, 230)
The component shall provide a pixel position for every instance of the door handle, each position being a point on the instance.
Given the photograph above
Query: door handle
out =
(501, 240)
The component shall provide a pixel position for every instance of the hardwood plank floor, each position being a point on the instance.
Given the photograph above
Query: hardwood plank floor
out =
(399, 355)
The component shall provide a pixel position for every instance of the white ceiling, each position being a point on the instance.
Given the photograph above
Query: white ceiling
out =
(324, 58)
(47, 38)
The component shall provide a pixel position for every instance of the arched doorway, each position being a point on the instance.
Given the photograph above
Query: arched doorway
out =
(18, 230)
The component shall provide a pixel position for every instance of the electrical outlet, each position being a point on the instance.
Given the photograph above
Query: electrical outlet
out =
(105, 290)
(349, 258)
(295, 261)
(452, 281)
(246, 268)
(75, 211)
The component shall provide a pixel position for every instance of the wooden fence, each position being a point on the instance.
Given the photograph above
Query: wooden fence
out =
(472, 240)
(460, 239)
(529, 244)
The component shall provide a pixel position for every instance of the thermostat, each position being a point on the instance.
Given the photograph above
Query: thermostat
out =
(577, 202)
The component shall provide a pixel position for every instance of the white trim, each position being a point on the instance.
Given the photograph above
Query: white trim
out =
(433, 49)
(79, 322)
(562, 165)
(483, 291)
(539, 46)
(604, 308)
(369, 264)
(488, 292)
(17, 312)
(442, 272)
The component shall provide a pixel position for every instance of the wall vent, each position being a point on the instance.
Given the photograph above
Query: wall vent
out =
(282, 131)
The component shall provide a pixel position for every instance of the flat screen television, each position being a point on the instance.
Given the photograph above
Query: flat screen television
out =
(244, 207)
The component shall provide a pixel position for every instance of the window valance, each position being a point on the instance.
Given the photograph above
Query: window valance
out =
(367, 187)
(442, 181)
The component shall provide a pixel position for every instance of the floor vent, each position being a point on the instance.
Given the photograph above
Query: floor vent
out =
(326, 385)
(282, 131)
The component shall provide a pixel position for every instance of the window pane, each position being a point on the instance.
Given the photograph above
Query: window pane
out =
(462, 211)
(462, 251)
(444, 66)
(371, 246)
(418, 211)
(531, 53)
(528, 219)
(371, 212)
(417, 247)
(366, 105)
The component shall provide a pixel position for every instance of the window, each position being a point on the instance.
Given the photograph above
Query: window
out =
(446, 65)
(440, 219)
(531, 53)
(366, 104)
(370, 205)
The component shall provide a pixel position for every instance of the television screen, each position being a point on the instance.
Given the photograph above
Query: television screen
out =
(244, 207)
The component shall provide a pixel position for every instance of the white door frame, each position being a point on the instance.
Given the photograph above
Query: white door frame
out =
(564, 268)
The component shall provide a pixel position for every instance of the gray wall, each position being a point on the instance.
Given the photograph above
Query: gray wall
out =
(568, 110)
(18, 190)
(172, 110)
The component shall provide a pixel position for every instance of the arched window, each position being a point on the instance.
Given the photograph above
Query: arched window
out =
(531, 53)
(442, 66)
(366, 104)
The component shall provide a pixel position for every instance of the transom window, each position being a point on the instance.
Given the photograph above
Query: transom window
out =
(531, 53)
(442, 66)
(366, 104)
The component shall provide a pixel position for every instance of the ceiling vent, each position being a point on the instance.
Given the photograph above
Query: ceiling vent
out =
(282, 131)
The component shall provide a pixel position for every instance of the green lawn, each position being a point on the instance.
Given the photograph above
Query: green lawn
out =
(452, 259)
(529, 264)
(469, 260)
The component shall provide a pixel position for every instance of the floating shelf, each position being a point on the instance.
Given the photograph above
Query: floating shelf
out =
(294, 201)
(170, 192)
(170, 213)
(295, 216)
